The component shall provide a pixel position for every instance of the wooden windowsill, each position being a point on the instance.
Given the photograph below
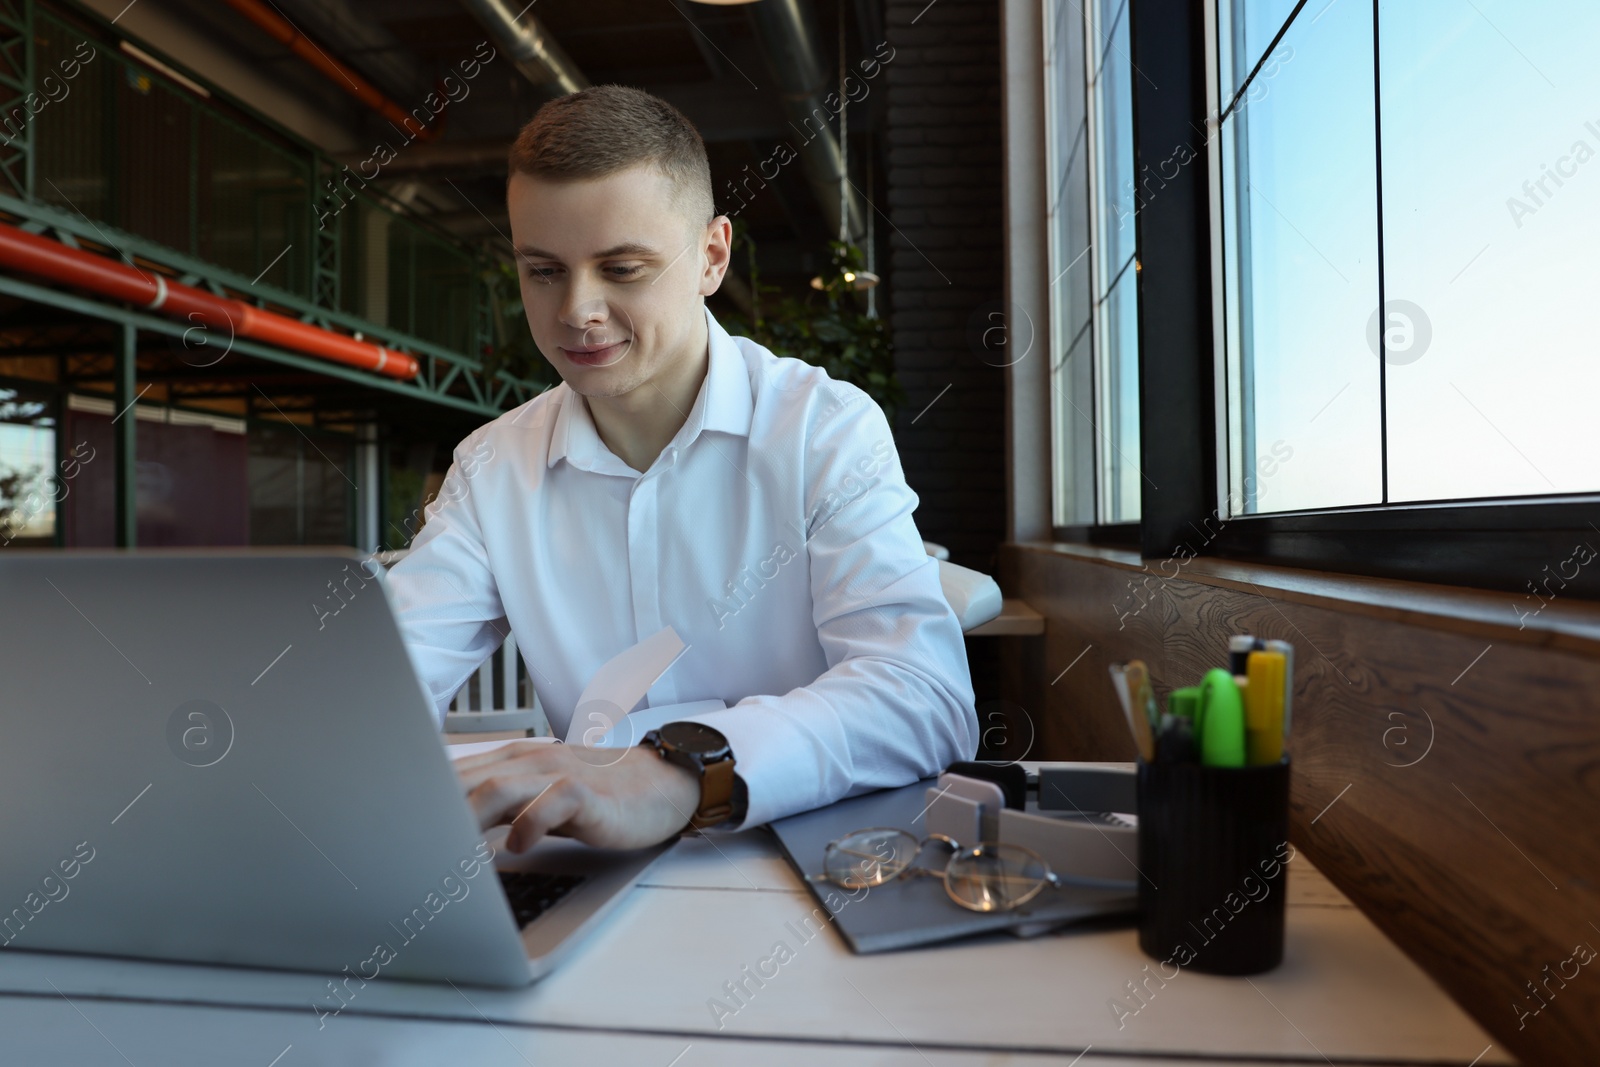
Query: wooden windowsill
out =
(1564, 623)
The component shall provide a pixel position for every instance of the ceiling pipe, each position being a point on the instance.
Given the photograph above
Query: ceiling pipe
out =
(530, 46)
(442, 158)
(791, 44)
(52, 260)
(341, 30)
(345, 77)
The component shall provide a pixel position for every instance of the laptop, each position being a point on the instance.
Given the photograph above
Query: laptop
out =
(225, 757)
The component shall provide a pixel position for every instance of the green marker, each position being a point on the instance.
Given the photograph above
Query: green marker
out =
(1184, 703)
(1220, 721)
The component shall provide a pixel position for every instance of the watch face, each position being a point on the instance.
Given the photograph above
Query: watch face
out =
(694, 738)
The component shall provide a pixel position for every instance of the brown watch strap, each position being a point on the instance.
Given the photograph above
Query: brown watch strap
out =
(716, 795)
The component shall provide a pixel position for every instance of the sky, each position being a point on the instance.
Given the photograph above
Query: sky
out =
(1493, 370)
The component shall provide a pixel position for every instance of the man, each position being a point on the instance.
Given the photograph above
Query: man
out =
(677, 477)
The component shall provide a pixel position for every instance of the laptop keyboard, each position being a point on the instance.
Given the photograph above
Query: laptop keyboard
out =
(532, 893)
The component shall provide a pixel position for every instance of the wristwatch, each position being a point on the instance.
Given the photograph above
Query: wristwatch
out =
(704, 751)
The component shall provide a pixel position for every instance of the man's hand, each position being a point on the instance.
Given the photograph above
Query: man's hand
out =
(611, 798)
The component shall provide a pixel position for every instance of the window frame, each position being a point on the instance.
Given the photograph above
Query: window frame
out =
(1074, 478)
(1520, 544)
(1086, 484)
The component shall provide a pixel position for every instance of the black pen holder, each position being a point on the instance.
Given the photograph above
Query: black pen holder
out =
(1213, 852)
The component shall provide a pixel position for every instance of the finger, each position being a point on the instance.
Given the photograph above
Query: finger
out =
(500, 797)
(558, 804)
(510, 750)
(536, 760)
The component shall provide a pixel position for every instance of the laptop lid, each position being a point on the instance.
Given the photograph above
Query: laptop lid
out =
(226, 756)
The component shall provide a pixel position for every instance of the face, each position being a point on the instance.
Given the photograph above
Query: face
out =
(613, 274)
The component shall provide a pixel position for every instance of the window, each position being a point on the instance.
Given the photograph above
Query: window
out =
(1094, 326)
(189, 479)
(301, 487)
(1497, 256)
(1408, 208)
(29, 487)
(1360, 322)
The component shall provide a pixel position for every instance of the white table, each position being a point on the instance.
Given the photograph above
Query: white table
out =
(637, 992)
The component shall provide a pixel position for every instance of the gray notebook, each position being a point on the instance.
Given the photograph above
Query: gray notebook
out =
(916, 911)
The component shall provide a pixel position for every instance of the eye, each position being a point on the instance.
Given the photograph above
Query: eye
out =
(543, 274)
(625, 272)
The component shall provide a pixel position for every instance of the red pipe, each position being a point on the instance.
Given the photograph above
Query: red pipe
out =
(41, 256)
(285, 33)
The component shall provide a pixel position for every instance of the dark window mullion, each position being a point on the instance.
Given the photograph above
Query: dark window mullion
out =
(1383, 315)
(1115, 278)
(1173, 287)
(1093, 69)
(1265, 52)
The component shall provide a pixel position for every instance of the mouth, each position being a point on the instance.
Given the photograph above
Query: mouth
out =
(596, 355)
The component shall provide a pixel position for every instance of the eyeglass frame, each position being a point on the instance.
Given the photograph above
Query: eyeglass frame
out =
(957, 851)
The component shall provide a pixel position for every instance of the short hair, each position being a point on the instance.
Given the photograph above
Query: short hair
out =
(609, 128)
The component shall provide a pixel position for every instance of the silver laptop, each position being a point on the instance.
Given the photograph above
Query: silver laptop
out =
(226, 757)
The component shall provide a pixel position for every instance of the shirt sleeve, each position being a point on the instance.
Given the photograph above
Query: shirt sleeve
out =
(444, 595)
(896, 702)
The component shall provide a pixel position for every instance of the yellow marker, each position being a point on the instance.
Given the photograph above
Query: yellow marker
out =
(1263, 708)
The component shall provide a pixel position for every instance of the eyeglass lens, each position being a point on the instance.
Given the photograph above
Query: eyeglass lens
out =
(995, 877)
(869, 857)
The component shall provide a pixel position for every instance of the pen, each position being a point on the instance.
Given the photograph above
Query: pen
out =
(1239, 648)
(1182, 703)
(1288, 682)
(1263, 706)
(1143, 693)
(1176, 742)
(1139, 703)
(1141, 740)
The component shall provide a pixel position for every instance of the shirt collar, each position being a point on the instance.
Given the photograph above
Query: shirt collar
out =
(724, 404)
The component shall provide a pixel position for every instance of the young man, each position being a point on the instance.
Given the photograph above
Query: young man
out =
(678, 476)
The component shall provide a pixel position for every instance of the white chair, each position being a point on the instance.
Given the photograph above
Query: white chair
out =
(973, 596)
(476, 708)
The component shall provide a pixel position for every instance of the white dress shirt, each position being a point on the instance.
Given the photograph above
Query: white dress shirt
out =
(773, 533)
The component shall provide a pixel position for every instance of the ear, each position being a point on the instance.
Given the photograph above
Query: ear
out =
(718, 247)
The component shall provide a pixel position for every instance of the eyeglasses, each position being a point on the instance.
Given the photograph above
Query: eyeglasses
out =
(991, 876)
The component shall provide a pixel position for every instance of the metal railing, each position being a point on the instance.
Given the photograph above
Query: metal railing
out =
(219, 192)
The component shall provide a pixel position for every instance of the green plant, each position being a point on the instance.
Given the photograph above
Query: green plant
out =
(827, 328)
(22, 492)
(513, 350)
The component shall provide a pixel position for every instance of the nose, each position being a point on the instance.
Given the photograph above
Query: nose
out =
(583, 307)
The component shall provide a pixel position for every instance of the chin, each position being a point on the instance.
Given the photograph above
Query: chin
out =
(595, 382)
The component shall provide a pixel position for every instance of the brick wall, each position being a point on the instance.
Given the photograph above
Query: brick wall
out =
(947, 244)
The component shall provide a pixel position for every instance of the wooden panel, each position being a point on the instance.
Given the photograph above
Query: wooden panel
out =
(1446, 765)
